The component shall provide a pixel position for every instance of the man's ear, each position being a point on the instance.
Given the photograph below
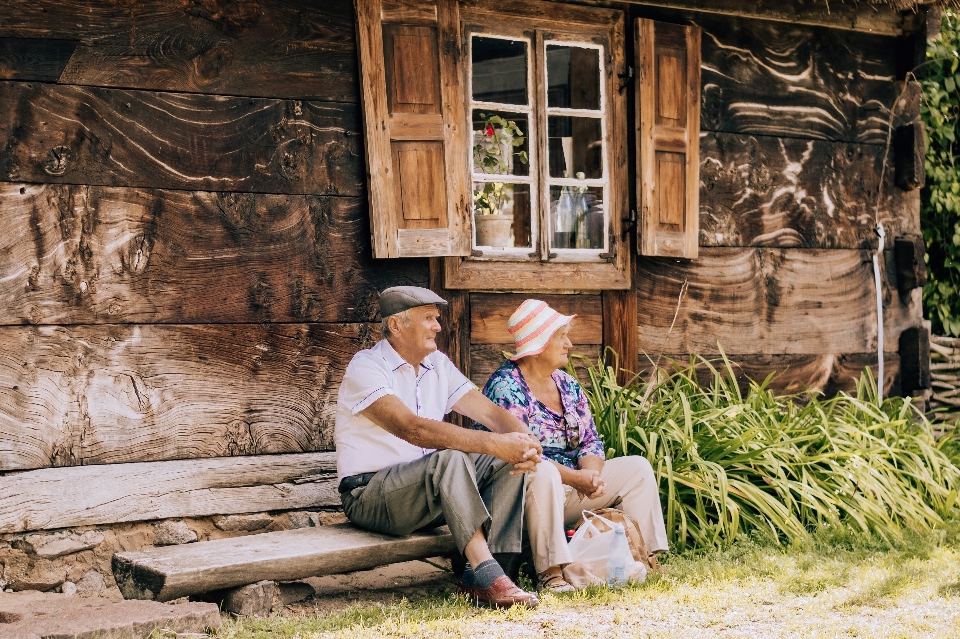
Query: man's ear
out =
(393, 323)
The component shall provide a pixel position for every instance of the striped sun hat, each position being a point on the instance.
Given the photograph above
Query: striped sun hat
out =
(532, 324)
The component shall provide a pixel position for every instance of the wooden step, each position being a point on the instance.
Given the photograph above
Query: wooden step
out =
(171, 572)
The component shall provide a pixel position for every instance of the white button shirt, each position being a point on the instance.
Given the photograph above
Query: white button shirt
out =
(364, 447)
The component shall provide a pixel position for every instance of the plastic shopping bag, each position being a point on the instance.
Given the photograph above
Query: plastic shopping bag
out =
(590, 549)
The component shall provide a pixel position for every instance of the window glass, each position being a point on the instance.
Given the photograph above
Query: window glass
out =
(502, 215)
(501, 143)
(576, 217)
(573, 77)
(575, 145)
(499, 70)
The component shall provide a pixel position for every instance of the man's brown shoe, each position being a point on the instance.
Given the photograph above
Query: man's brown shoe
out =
(502, 593)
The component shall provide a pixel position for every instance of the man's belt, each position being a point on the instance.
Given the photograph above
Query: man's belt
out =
(355, 481)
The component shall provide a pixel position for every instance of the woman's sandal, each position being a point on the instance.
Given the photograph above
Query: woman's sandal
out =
(553, 582)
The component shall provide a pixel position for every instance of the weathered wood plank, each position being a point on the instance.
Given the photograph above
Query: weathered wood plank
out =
(770, 78)
(876, 18)
(114, 493)
(274, 48)
(619, 316)
(81, 255)
(77, 135)
(171, 572)
(769, 301)
(109, 394)
(830, 373)
(486, 358)
(34, 59)
(757, 190)
(489, 313)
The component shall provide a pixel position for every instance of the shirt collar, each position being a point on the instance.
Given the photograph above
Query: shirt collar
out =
(393, 359)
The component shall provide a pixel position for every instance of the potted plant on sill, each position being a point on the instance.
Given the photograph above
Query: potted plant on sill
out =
(493, 153)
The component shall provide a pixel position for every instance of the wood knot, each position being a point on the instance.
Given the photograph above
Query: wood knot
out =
(57, 160)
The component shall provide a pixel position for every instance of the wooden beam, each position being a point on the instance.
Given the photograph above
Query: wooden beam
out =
(619, 317)
(279, 49)
(118, 393)
(490, 312)
(915, 359)
(909, 143)
(829, 373)
(117, 493)
(759, 190)
(877, 19)
(95, 255)
(454, 338)
(109, 137)
(911, 272)
(769, 301)
(172, 572)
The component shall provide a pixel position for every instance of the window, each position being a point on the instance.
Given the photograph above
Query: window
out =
(513, 198)
(497, 137)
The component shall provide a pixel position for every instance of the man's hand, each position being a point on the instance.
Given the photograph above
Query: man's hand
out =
(520, 449)
(588, 484)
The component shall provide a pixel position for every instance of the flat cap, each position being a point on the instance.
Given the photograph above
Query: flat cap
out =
(397, 299)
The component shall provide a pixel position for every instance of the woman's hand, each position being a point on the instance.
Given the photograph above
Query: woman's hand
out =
(588, 484)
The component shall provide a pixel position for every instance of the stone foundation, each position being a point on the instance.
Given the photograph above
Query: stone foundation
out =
(77, 560)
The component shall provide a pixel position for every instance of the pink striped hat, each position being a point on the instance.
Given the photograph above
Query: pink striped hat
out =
(532, 325)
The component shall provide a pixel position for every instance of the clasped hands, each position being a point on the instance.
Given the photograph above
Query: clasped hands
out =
(523, 450)
(588, 484)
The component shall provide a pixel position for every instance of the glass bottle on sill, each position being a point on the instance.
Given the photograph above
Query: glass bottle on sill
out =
(580, 207)
(564, 219)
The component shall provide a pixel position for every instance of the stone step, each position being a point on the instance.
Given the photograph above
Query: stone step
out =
(171, 572)
(36, 615)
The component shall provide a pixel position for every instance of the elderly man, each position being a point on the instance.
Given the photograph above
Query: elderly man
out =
(401, 468)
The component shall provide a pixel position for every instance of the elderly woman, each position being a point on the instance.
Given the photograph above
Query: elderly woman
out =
(532, 386)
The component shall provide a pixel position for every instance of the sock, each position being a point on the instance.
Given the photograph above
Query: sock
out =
(487, 572)
(468, 578)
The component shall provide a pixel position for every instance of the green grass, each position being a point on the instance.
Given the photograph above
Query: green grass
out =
(837, 583)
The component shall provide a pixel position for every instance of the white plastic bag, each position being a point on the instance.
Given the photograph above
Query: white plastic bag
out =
(590, 549)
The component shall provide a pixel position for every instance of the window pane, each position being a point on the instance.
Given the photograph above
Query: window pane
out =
(502, 214)
(499, 70)
(501, 145)
(575, 146)
(573, 77)
(576, 217)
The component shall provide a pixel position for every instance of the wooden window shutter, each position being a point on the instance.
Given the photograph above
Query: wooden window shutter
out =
(668, 138)
(416, 139)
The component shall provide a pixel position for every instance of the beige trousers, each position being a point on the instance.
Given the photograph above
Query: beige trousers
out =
(551, 507)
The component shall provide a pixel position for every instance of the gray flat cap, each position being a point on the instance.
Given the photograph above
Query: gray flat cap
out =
(400, 298)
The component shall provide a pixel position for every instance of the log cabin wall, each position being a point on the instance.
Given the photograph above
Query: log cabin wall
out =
(794, 120)
(185, 266)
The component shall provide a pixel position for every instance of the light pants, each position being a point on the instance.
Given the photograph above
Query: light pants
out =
(551, 507)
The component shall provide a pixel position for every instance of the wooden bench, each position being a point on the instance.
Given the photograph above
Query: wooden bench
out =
(171, 572)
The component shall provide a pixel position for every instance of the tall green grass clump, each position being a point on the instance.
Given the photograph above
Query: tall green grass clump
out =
(731, 461)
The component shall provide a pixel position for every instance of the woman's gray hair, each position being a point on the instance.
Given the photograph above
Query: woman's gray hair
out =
(403, 316)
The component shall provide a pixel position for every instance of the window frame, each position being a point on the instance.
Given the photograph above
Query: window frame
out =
(539, 267)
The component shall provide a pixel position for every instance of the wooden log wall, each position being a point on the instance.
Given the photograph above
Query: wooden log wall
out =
(794, 122)
(184, 258)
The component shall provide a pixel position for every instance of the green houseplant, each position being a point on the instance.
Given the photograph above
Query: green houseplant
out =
(494, 152)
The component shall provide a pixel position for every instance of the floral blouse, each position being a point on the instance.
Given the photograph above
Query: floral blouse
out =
(565, 438)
